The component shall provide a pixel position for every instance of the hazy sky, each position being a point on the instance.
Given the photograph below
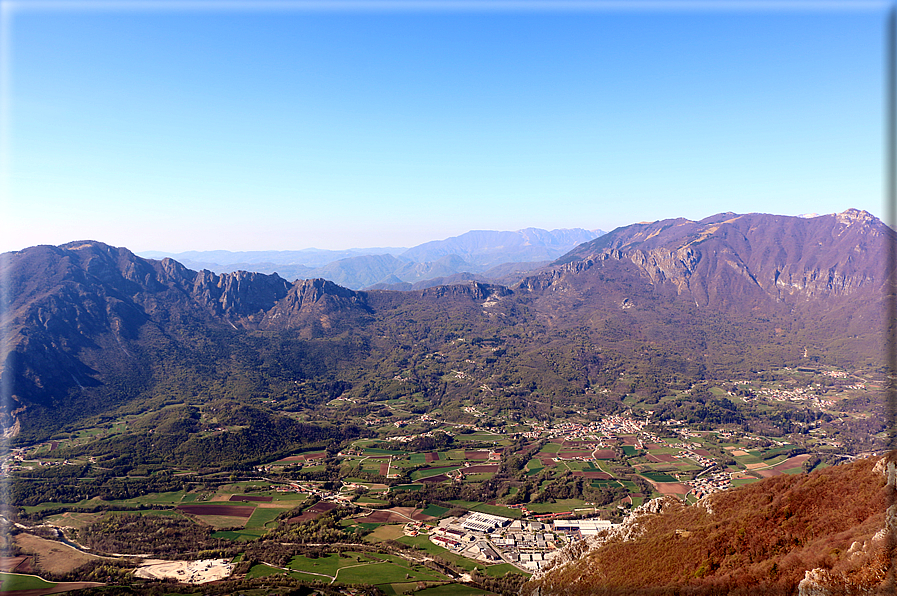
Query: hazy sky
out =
(176, 126)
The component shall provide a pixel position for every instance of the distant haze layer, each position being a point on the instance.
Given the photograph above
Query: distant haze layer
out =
(476, 255)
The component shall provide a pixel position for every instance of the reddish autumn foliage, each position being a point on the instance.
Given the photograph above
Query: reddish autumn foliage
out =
(760, 538)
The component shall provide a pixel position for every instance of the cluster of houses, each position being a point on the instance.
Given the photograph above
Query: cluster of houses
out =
(16, 461)
(835, 374)
(798, 394)
(415, 527)
(609, 426)
(701, 487)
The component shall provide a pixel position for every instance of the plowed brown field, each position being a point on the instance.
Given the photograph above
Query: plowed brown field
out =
(225, 510)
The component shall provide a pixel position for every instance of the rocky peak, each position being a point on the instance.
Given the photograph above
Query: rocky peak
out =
(315, 300)
(852, 216)
(474, 290)
(238, 294)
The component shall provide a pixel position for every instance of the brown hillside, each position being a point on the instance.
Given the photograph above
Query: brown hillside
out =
(761, 538)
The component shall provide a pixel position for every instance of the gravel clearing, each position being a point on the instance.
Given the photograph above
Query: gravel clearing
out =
(188, 572)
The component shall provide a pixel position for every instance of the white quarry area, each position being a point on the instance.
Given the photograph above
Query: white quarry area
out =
(188, 572)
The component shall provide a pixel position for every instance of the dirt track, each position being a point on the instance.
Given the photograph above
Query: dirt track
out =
(395, 515)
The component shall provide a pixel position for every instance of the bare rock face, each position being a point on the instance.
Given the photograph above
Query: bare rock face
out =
(814, 583)
(888, 469)
(239, 294)
(727, 257)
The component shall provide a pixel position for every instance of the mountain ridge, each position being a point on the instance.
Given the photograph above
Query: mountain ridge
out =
(92, 327)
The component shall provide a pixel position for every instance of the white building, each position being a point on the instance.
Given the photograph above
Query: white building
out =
(483, 522)
(585, 527)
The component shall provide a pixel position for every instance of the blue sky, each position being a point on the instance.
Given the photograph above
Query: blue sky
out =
(229, 127)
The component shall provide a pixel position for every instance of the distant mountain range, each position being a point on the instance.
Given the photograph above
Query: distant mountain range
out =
(482, 255)
(93, 328)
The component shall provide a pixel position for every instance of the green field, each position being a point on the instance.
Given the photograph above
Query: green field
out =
(629, 485)
(15, 581)
(659, 477)
(534, 465)
(327, 565)
(503, 569)
(263, 570)
(402, 463)
(424, 544)
(371, 500)
(498, 510)
(407, 487)
(490, 509)
(169, 498)
(559, 506)
(239, 535)
(479, 437)
(435, 510)
(261, 517)
(427, 472)
(577, 465)
(355, 567)
(387, 572)
(747, 459)
(664, 451)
